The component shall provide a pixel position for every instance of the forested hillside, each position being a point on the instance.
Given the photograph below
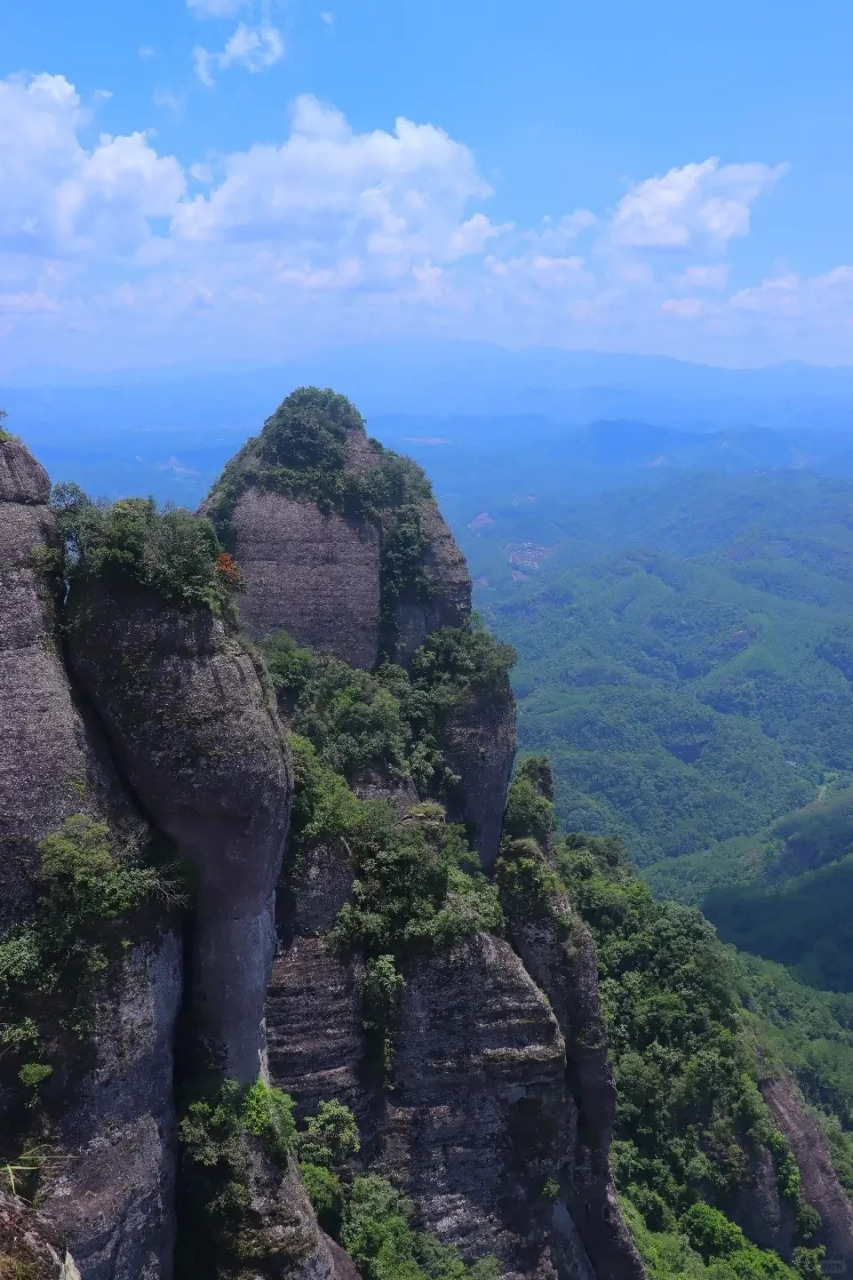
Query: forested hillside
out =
(684, 651)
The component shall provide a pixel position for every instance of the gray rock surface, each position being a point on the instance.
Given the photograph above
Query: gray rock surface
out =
(449, 603)
(313, 1009)
(112, 1198)
(818, 1180)
(318, 575)
(198, 738)
(315, 576)
(479, 746)
(45, 764)
(479, 1120)
(559, 955)
(760, 1210)
(113, 1121)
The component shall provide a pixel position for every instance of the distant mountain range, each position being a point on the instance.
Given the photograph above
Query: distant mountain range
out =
(169, 431)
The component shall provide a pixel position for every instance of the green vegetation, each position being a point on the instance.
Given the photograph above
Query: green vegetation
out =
(170, 551)
(386, 721)
(691, 692)
(4, 434)
(690, 1118)
(804, 923)
(378, 1235)
(416, 884)
(219, 1133)
(781, 893)
(93, 893)
(302, 452)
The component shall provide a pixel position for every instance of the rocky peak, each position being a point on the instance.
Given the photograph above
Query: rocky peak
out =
(339, 541)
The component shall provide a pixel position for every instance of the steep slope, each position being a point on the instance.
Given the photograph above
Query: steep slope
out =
(339, 541)
(105, 1100)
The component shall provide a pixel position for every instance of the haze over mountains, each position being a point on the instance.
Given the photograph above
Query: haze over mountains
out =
(168, 432)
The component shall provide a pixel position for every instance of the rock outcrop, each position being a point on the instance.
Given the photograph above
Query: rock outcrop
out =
(317, 567)
(315, 575)
(819, 1182)
(479, 1123)
(112, 1120)
(479, 747)
(30, 1246)
(45, 765)
(559, 955)
(495, 1117)
(197, 736)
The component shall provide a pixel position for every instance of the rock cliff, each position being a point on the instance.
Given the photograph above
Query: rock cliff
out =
(819, 1181)
(107, 1109)
(151, 775)
(341, 543)
(197, 737)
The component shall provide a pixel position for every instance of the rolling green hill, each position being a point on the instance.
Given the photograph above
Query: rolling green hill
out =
(686, 652)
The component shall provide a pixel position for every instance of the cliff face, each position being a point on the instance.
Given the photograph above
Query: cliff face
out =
(311, 574)
(44, 761)
(819, 1181)
(479, 747)
(492, 1110)
(107, 1107)
(316, 539)
(198, 739)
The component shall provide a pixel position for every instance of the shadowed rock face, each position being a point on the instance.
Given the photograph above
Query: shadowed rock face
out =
(313, 575)
(818, 1179)
(559, 955)
(318, 575)
(479, 746)
(761, 1210)
(112, 1121)
(479, 1119)
(449, 601)
(44, 761)
(197, 737)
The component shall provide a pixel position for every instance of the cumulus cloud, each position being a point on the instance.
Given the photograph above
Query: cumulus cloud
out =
(793, 295)
(333, 205)
(255, 48)
(333, 232)
(59, 198)
(698, 203)
(711, 277)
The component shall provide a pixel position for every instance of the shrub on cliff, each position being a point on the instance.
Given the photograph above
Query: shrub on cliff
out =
(302, 452)
(168, 550)
(378, 1235)
(689, 1117)
(387, 720)
(94, 894)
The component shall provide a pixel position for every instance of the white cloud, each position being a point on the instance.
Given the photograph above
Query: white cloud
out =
(216, 8)
(328, 19)
(332, 233)
(698, 203)
(686, 308)
(146, 52)
(169, 100)
(705, 277)
(59, 198)
(255, 48)
(792, 295)
(328, 198)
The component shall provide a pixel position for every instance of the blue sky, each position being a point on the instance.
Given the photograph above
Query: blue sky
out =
(205, 180)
